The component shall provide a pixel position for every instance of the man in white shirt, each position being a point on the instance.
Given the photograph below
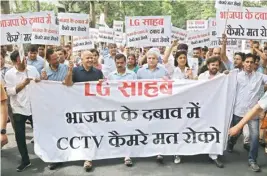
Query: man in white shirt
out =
(249, 85)
(213, 64)
(17, 80)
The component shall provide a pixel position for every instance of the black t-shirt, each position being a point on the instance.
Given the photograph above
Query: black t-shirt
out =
(81, 75)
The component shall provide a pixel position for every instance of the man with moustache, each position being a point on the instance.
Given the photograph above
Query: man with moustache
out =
(85, 72)
(17, 80)
(213, 65)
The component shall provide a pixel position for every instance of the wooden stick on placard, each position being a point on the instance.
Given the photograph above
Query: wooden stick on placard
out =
(45, 60)
(226, 21)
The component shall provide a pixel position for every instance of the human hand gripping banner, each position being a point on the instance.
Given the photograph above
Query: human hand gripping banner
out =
(136, 119)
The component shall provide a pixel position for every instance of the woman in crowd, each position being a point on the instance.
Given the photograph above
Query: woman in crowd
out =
(132, 63)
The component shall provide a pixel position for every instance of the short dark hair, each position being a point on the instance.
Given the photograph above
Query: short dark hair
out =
(94, 51)
(242, 55)
(41, 46)
(256, 42)
(119, 56)
(213, 59)
(112, 44)
(197, 48)
(182, 46)
(62, 50)
(205, 48)
(33, 48)
(49, 52)
(14, 55)
(179, 53)
(250, 55)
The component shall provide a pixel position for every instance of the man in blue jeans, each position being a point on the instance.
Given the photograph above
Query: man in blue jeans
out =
(248, 87)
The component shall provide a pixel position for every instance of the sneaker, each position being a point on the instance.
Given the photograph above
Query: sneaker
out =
(254, 167)
(177, 159)
(218, 163)
(53, 166)
(230, 147)
(23, 166)
(160, 159)
(87, 166)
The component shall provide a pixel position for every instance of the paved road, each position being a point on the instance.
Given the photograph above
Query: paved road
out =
(235, 164)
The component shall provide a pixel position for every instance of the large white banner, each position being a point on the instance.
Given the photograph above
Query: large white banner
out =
(17, 28)
(82, 43)
(247, 23)
(45, 34)
(135, 119)
(229, 4)
(179, 34)
(73, 24)
(196, 25)
(158, 27)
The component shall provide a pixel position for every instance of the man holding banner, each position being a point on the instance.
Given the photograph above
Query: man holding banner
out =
(122, 74)
(20, 101)
(85, 72)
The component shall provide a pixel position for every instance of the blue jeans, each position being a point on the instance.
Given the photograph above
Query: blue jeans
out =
(253, 135)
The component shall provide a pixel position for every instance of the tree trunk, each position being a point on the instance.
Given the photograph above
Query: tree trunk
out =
(5, 7)
(92, 14)
(106, 10)
(37, 3)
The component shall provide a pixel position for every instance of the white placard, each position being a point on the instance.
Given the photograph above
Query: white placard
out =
(158, 27)
(82, 43)
(45, 34)
(137, 38)
(179, 34)
(217, 41)
(93, 34)
(118, 31)
(196, 25)
(106, 35)
(73, 24)
(248, 23)
(17, 28)
(229, 4)
(198, 39)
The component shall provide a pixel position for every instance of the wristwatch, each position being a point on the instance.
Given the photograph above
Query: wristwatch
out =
(3, 131)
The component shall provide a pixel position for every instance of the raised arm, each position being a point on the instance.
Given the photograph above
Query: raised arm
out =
(168, 52)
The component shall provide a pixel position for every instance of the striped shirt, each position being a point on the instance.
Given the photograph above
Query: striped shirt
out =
(57, 75)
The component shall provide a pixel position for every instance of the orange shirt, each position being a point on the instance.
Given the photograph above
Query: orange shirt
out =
(3, 93)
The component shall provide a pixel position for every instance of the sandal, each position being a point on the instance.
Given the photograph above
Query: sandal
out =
(128, 162)
(87, 165)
